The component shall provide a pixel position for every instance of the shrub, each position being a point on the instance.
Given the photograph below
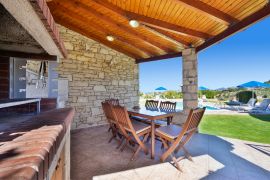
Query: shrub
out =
(210, 94)
(244, 96)
(149, 96)
(171, 95)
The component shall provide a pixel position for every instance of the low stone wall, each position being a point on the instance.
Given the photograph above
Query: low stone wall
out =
(96, 72)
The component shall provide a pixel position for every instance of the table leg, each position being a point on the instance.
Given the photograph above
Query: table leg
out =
(169, 120)
(38, 107)
(152, 139)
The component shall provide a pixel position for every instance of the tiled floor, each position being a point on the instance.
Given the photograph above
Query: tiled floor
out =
(213, 158)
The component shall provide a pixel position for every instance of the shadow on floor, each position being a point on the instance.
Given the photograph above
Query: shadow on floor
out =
(261, 117)
(262, 148)
(213, 158)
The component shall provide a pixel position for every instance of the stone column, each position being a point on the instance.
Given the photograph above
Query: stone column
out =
(190, 81)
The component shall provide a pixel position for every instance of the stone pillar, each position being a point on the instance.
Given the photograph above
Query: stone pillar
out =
(190, 81)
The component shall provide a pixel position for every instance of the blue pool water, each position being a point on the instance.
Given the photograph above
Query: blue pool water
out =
(179, 105)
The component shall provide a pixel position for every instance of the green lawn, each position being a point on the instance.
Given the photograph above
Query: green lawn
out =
(251, 128)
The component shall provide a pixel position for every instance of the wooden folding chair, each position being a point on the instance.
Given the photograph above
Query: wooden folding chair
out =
(112, 101)
(179, 136)
(151, 104)
(168, 107)
(132, 131)
(107, 108)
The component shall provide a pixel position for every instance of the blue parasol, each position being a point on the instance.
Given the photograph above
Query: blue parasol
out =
(254, 84)
(161, 89)
(202, 88)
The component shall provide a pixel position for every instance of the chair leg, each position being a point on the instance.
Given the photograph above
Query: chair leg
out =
(113, 136)
(139, 148)
(164, 144)
(110, 128)
(119, 135)
(120, 143)
(175, 162)
(187, 154)
(114, 133)
(148, 139)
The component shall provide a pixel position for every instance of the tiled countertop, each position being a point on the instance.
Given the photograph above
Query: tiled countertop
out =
(27, 149)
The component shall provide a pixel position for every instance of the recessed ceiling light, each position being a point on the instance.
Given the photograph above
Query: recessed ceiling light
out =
(110, 38)
(134, 23)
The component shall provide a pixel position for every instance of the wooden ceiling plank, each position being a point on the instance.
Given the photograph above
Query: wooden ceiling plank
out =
(90, 11)
(86, 33)
(146, 51)
(208, 10)
(153, 22)
(248, 21)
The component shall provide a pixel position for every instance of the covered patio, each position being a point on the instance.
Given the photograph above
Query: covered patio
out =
(96, 47)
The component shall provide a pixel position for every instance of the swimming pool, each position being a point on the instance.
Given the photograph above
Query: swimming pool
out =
(179, 105)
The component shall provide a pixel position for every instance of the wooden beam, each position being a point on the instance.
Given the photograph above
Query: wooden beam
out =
(248, 21)
(168, 26)
(28, 55)
(153, 22)
(145, 51)
(162, 57)
(173, 36)
(207, 10)
(154, 31)
(86, 33)
(87, 10)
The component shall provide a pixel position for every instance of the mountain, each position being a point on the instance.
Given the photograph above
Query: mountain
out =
(267, 82)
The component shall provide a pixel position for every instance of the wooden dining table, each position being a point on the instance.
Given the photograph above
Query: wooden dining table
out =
(153, 114)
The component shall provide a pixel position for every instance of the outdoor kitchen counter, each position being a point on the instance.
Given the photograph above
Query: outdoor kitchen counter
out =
(31, 149)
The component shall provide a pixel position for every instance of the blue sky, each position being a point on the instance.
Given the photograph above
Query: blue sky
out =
(242, 57)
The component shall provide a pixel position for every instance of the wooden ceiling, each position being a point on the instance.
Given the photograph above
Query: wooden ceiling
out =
(166, 26)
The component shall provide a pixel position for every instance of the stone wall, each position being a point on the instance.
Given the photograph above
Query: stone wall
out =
(96, 72)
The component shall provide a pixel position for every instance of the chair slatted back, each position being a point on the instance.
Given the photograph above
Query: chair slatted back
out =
(194, 119)
(107, 108)
(114, 102)
(121, 115)
(151, 104)
(168, 106)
